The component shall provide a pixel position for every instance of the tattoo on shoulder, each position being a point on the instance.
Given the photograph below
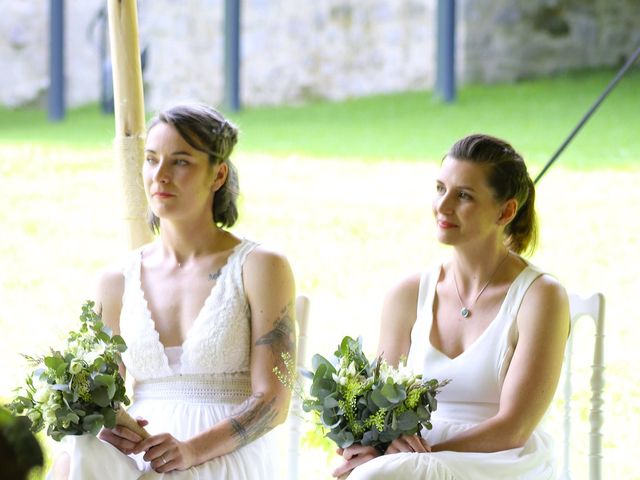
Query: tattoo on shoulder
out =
(282, 337)
(253, 418)
(214, 276)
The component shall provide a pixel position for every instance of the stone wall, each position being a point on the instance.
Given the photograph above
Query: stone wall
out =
(24, 54)
(296, 50)
(331, 49)
(506, 40)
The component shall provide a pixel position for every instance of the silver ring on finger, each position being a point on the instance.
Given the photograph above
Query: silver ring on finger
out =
(164, 460)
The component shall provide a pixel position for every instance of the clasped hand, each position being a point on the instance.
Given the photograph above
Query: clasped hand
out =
(164, 452)
(356, 455)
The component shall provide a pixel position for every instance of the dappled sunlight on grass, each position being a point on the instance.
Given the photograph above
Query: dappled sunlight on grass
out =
(350, 229)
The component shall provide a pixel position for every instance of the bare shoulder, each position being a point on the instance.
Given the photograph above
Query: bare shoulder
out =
(265, 264)
(546, 303)
(546, 289)
(267, 273)
(265, 257)
(397, 319)
(404, 294)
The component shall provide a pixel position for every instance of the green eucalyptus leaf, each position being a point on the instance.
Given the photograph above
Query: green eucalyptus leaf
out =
(98, 363)
(61, 370)
(369, 437)
(103, 337)
(423, 413)
(330, 401)
(94, 418)
(318, 362)
(109, 415)
(379, 400)
(408, 421)
(311, 405)
(102, 379)
(433, 405)
(101, 397)
(320, 372)
(393, 393)
(343, 438)
(54, 361)
(329, 418)
(323, 387)
(388, 436)
(71, 417)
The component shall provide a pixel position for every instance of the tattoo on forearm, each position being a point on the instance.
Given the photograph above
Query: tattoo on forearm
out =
(282, 338)
(254, 417)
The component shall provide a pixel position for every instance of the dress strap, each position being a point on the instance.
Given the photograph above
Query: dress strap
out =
(236, 261)
(131, 264)
(512, 302)
(243, 250)
(424, 317)
(519, 288)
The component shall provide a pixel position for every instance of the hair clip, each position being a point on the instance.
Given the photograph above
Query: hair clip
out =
(223, 129)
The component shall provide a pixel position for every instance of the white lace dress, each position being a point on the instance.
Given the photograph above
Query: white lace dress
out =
(183, 390)
(473, 396)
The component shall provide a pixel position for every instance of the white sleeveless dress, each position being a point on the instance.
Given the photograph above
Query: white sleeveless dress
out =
(472, 396)
(183, 390)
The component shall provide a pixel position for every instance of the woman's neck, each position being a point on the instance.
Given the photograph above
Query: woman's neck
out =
(184, 244)
(473, 267)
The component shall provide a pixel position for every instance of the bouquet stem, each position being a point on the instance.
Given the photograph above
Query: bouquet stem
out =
(125, 420)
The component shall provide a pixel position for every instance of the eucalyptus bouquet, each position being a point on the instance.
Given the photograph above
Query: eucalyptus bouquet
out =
(79, 389)
(365, 402)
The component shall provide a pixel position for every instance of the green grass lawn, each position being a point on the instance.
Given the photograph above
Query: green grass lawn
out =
(535, 116)
(350, 228)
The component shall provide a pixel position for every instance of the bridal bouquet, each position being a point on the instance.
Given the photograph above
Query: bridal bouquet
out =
(365, 402)
(79, 389)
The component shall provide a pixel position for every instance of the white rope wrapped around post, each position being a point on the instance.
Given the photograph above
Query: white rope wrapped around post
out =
(129, 155)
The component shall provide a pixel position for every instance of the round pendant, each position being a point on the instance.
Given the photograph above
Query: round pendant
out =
(465, 312)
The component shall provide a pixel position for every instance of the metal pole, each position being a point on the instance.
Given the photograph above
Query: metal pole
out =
(445, 87)
(232, 55)
(56, 61)
(593, 108)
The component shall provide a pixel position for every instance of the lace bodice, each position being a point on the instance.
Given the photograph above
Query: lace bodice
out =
(219, 339)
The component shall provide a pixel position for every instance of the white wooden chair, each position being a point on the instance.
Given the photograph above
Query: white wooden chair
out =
(592, 306)
(295, 414)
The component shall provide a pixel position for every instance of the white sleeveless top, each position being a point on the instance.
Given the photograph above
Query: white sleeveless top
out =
(217, 342)
(472, 396)
(477, 373)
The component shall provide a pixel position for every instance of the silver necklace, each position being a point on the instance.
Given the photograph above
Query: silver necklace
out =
(464, 311)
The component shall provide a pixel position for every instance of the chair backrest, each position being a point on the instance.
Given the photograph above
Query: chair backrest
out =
(295, 414)
(593, 307)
